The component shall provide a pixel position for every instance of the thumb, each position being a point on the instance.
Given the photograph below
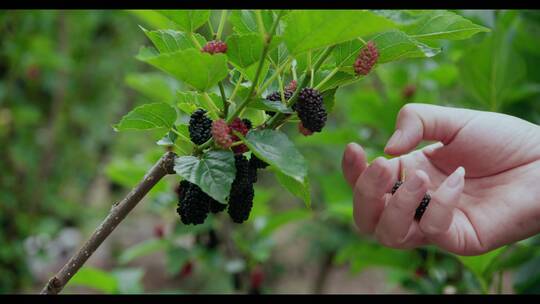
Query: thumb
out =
(417, 122)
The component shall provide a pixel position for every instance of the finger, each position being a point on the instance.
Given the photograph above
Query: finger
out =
(369, 193)
(353, 163)
(440, 212)
(416, 122)
(398, 216)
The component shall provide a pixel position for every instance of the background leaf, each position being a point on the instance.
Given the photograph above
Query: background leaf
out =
(244, 50)
(300, 190)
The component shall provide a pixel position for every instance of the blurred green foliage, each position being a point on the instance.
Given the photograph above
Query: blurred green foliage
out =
(67, 77)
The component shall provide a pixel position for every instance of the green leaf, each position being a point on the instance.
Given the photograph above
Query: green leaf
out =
(244, 50)
(189, 101)
(480, 264)
(443, 25)
(96, 279)
(214, 172)
(338, 80)
(198, 69)
(149, 116)
(268, 105)
(313, 29)
(129, 173)
(245, 21)
(129, 280)
(392, 45)
(142, 249)
(300, 190)
(155, 86)
(279, 220)
(329, 99)
(187, 20)
(167, 41)
(491, 70)
(275, 148)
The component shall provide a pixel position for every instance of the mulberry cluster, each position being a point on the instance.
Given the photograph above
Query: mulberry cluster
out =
(200, 127)
(240, 126)
(215, 46)
(221, 132)
(242, 192)
(423, 204)
(310, 109)
(366, 59)
(276, 97)
(194, 204)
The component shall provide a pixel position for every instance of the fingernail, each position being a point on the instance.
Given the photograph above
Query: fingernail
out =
(394, 139)
(414, 183)
(455, 178)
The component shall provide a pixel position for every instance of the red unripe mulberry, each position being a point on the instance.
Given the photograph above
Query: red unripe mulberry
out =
(366, 59)
(215, 46)
(221, 133)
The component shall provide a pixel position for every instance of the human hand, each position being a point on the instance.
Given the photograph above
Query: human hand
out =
(482, 176)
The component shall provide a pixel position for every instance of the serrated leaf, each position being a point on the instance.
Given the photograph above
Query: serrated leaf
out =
(443, 25)
(149, 116)
(244, 50)
(198, 69)
(275, 148)
(245, 22)
(329, 99)
(142, 249)
(155, 86)
(300, 190)
(167, 41)
(197, 100)
(339, 79)
(187, 20)
(392, 45)
(213, 173)
(313, 29)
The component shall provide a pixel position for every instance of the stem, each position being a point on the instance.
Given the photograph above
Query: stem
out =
(260, 24)
(211, 28)
(195, 41)
(236, 87)
(332, 73)
(259, 68)
(224, 98)
(278, 71)
(279, 117)
(118, 212)
(221, 24)
(180, 135)
(211, 103)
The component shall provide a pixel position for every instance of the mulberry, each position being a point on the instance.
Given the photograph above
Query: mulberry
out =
(310, 109)
(238, 125)
(200, 127)
(423, 204)
(193, 204)
(366, 59)
(221, 133)
(276, 96)
(242, 192)
(257, 162)
(303, 130)
(215, 206)
(291, 86)
(215, 46)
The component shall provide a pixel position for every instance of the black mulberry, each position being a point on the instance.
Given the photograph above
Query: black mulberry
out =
(276, 96)
(310, 109)
(423, 204)
(242, 192)
(200, 127)
(193, 204)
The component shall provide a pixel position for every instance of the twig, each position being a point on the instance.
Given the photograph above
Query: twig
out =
(118, 212)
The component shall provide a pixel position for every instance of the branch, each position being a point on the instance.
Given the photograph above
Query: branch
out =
(118, 212)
